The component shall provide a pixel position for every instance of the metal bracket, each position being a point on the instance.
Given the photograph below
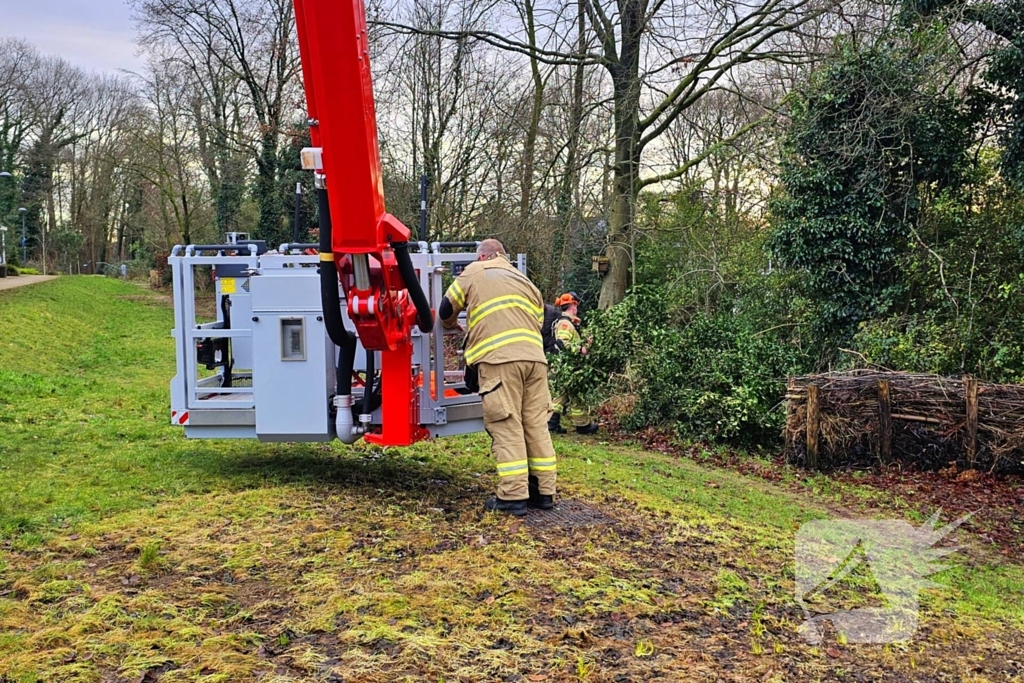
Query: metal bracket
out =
(440, 416)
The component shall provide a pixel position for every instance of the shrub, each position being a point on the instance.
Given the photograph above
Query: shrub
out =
(718, 378)
(715, 375)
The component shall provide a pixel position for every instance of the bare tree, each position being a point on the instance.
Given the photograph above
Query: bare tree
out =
(440, 105)
(17, 59)
(51, 93)
(99, 187)
(661, 57)
(252, 42)
(170, 158)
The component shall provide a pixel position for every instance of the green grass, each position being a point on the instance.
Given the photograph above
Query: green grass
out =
(129, 549)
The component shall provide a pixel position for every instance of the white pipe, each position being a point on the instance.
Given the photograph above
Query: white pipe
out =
(347, 432)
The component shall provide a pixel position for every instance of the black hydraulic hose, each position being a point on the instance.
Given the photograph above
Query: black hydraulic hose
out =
(229, 362)
(424, 315)
(371, 358)
(330, 300)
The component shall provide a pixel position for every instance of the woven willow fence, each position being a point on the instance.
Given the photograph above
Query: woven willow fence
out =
(866, 417)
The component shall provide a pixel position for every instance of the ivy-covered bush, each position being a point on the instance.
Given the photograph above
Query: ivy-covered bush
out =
(716, 376)
(868, 136)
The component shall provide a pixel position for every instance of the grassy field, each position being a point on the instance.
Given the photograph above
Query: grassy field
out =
(130, 554)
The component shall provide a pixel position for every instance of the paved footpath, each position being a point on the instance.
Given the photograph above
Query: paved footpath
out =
(22, 280)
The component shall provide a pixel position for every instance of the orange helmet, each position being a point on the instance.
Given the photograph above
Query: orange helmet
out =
(567, 298)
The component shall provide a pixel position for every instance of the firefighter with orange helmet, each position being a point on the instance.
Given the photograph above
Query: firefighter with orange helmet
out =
(566, 332)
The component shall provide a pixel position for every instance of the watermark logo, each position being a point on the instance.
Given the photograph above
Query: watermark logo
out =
(896, 555)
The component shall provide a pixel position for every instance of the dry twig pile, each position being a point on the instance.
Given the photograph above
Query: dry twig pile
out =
(864, 417)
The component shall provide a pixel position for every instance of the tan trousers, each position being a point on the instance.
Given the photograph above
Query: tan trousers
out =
(517, 405)
(566, 406)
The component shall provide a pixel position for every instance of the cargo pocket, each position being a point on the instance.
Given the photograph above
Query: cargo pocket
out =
(492, 394)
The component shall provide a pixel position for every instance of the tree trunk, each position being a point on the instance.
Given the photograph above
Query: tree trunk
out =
(536, 107)
(570, 177)
(625, 184)
(266, 189)
(51, 213)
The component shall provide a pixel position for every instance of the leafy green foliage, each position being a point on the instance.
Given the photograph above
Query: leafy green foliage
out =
(1001, 97)
(867, 135)
(965, 310)
(715, 375)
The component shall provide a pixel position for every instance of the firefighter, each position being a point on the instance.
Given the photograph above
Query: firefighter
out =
(567, 339)
(504, 347)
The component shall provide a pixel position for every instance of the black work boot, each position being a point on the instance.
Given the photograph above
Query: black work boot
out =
(555, 424)
(516, 508)
(588, 428)
(537, 500)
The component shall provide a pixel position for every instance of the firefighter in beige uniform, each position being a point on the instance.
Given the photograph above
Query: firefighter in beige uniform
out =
(566, 332)
(505, 312)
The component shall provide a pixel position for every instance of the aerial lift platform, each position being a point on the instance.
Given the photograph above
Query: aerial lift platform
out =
(266, 368)
(337, 339)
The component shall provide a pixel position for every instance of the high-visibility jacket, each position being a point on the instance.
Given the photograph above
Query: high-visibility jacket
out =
(567, 332)
(505, 313)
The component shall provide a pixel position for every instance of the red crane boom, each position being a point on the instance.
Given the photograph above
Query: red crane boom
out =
(368, 245)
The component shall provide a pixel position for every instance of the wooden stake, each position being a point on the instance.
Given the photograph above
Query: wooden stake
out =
(971, 399)
(813, 426)
(884, 422)
(790, 408)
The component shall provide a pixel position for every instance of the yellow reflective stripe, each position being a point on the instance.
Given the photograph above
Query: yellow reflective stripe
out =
(542, 464)
(502, 303)
(507, 469)
(474, 353)
(456, 295)
(326, 256)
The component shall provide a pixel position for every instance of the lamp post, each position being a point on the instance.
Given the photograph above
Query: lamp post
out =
(24, 252)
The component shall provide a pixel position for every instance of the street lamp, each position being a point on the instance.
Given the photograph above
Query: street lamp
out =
(24, 254)
(5, 174)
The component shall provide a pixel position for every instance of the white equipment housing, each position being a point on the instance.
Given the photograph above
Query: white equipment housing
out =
(269, 367)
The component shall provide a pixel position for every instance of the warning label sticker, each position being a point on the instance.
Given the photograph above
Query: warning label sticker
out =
(227, 285)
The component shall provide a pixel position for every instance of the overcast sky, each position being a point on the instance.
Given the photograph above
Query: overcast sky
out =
(94, 34)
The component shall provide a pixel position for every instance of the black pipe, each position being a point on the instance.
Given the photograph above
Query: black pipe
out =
(371, 358)
(302, 246)
(424, 316)
(229, 362)
(330, 300)
(221, 247)
(458, 245)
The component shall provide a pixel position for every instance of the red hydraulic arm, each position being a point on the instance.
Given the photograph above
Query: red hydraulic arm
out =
(364, 240)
